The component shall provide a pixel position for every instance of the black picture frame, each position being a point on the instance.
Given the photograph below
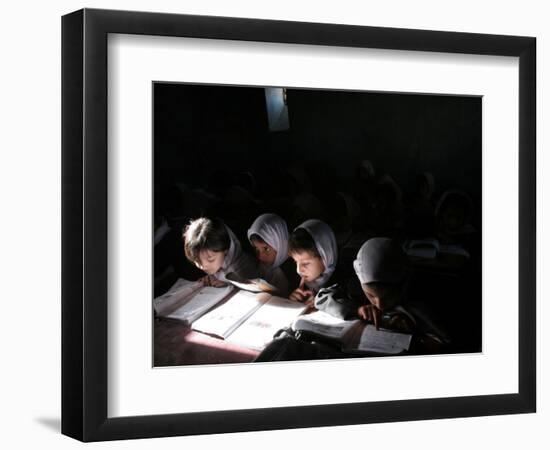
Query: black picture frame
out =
(84, 224)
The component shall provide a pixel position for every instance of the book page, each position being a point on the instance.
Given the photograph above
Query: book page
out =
(259, 329)
(323, 324)
(203, 300)
(222, 320)
(253, 285)
(383, 341)
(175, 296)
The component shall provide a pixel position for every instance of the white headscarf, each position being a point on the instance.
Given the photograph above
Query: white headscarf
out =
(235, 260)
(325, 242)
(273, 230)
(379, 260)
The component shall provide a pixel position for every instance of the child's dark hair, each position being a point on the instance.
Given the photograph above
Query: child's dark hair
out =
(301, 241)
(205, 234)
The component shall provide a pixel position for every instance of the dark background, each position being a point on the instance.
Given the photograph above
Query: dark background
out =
(202, 129)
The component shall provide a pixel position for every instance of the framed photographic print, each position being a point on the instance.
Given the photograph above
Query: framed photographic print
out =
(253, 206)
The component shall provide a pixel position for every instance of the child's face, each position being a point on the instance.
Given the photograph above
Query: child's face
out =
(381, 298)
(209, 261)
(264, 252)
(308, 266)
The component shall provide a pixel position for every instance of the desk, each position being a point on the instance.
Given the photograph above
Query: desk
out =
(176, 344)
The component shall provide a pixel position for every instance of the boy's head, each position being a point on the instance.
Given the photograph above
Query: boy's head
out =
(206, 242)
(265, 253)
(302, 249)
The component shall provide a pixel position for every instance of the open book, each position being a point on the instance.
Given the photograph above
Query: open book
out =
(189, 300)
(246, 318)
(353, 336)
(249, 319)
(252, 285)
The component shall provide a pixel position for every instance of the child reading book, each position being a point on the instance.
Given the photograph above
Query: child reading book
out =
(269, 237)
(312, 245)
(382, 273)
(214, 248)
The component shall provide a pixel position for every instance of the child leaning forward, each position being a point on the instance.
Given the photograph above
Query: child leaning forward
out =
(312, 245)
(380, 267)
(214, 249)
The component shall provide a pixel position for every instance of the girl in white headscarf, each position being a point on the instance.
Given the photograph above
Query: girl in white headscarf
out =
(312, 245)
(380, 267)
(214, 248)
(269, 237)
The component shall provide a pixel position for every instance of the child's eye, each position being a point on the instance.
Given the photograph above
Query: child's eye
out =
(267, 249)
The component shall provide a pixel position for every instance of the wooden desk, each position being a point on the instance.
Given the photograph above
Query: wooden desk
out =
(175, 344)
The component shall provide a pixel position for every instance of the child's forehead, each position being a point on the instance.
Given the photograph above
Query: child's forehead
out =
(302, 255)
(262, 245)
(259, 243)
(369, 289)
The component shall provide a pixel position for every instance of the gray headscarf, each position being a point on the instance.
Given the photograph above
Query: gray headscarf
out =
(380, 260)
(235, 260)
(325, 242)
(273, 230)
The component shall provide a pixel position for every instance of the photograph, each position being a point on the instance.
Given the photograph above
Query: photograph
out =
(308, 224)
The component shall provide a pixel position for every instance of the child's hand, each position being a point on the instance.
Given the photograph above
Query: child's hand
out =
(301, 294)
(370, 313)
(205, 281)
(400, 323)
(214, 282)
(209, 280)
